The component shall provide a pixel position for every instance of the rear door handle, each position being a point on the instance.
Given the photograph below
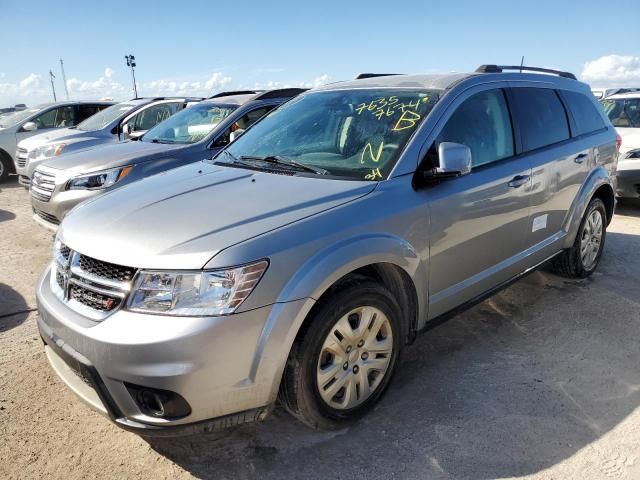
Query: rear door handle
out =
(580, 158)
(519, 180)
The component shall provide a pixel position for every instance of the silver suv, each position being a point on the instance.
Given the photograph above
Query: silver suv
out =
(302, 259)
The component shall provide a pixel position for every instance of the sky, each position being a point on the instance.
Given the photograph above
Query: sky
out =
(202, 47)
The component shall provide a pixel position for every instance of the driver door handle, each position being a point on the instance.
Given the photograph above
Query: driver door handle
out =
(519, 180)
(580, 158)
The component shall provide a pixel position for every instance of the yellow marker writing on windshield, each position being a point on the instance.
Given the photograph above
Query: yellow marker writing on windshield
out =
(374, 174)
(408, 119)
(369, 148)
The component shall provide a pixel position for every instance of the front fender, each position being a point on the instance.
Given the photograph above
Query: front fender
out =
(330, 264)
(597, 178)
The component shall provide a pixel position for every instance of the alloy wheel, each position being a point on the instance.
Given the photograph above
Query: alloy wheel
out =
(591, 239)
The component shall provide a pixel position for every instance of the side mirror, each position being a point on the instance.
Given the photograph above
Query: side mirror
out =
(29, 127)
(455, 161)
(126, 130)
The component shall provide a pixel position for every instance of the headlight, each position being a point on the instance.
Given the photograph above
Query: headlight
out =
(208, 293)
(97, 180)
(48, 151)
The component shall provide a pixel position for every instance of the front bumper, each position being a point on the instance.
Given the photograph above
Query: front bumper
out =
(628, 183)
(52, 212)
(228, 368)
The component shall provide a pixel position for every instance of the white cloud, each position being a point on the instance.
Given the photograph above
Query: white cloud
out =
(316, 82)
(612, 71)
(105, 86)
(108, 72)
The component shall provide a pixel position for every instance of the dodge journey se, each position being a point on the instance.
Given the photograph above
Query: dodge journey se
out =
(297, 263)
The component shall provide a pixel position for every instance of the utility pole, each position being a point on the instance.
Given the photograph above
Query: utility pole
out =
(64, 79)
(53, 88)
(131, 63)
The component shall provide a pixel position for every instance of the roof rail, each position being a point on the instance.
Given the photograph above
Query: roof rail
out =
(373, 75)
(500, 68)
(280, 92)
(235, 92)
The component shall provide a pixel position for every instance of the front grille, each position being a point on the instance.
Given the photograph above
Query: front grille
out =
(47, 217)
(21, 157)
(94, 300)
(107, 270)
(92, 287)
(42, 185)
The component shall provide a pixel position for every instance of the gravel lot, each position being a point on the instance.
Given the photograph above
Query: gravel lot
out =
(540, 381)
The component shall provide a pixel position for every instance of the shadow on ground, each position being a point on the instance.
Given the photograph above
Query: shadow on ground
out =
(515, 385)
(6, 216)
(13, 308)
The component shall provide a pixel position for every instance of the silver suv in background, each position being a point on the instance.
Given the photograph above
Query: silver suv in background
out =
(193, 134)
(300, 261)
(18, 126)
(119, 122)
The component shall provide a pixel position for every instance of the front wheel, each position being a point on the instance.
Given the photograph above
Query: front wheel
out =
(344, 360)
(582, 259)
(4, 167)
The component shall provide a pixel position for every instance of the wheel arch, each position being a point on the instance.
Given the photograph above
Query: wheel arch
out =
(9, 160)
(598, 184)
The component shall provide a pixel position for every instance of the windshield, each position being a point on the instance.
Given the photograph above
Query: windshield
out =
(16, 117)
(356, 134)
(623, 112)
(190, 125)
(105, 117)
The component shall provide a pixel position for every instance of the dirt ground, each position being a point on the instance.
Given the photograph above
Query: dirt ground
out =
(539, 382)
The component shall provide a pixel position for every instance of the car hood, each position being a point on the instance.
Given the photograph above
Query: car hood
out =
(53, 136)
(182, 218)
(107, 156)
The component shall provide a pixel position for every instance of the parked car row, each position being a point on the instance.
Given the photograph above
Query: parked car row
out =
(306, 237)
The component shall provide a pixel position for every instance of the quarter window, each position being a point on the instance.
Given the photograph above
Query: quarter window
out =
(585, 113)
(483, 124)
(542, 117)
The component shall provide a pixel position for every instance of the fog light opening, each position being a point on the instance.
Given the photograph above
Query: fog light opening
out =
(159, 403)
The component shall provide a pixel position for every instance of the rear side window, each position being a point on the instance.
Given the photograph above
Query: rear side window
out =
(584, 113)
(483, 124)
(541, 117)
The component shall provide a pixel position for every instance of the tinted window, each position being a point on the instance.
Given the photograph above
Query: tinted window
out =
(58, 117)
(150, 117)
(240, 125)
(86, 111)
(623, 112)
(482, 123)
(584, 112)
(542, 117)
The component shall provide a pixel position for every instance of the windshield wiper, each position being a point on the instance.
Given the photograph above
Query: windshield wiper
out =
(278, 160)
(168, 142)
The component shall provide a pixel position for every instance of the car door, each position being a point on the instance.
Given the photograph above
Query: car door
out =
(559, 164)
(477, 221)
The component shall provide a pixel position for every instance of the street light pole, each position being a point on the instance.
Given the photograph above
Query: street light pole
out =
(131, 63)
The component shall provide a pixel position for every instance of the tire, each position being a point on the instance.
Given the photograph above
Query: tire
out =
(5, 167)
(311, 363)
(572, 263)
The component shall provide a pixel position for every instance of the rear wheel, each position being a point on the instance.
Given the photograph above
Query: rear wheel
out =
(344, 361)
(5, 166)
(582, 259)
